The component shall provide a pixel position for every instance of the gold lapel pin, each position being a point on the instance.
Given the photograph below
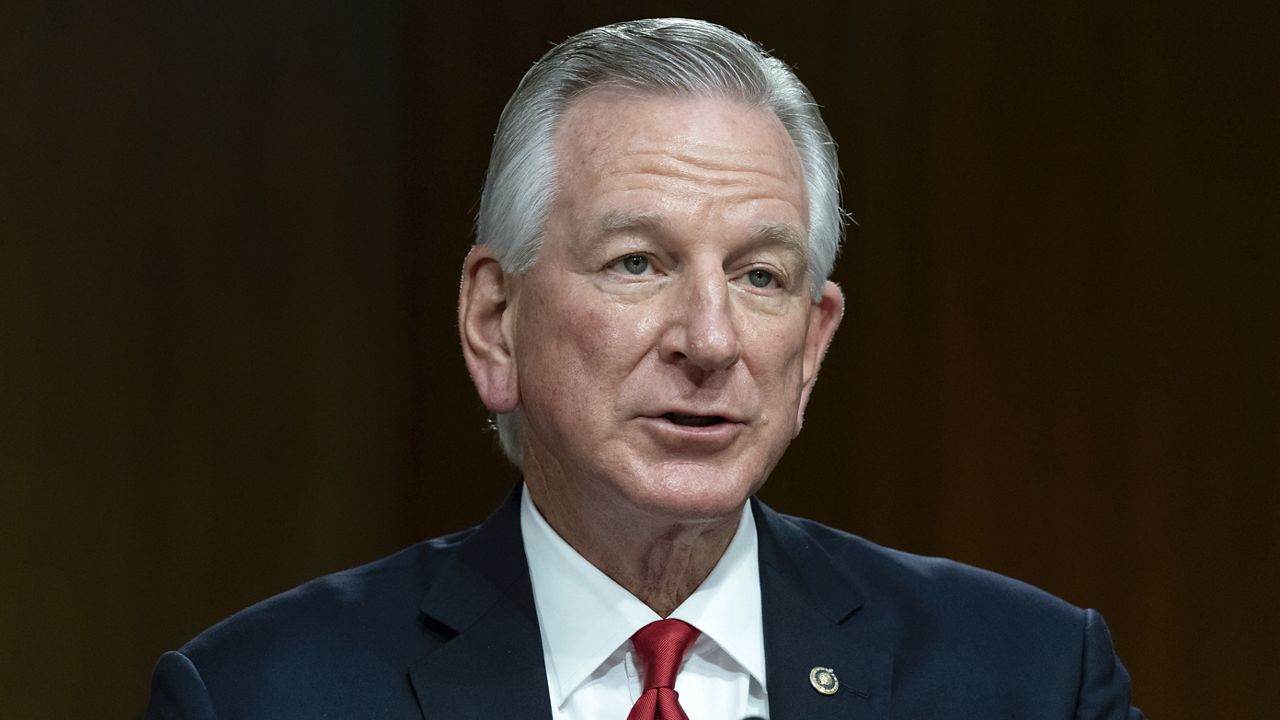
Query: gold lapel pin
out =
(824, 680)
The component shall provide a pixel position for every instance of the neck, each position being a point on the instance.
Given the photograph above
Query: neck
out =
(658, 560)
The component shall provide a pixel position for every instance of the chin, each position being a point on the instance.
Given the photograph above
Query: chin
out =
(685, 491)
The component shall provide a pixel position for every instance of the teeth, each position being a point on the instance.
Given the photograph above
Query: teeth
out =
(694, 420)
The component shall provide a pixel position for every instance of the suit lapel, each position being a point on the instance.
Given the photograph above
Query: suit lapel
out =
(490, 665)
(809, 605)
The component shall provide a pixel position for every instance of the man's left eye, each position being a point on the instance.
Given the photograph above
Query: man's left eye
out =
(760, 278)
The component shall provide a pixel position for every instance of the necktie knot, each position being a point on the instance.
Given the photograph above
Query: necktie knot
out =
(661, 646)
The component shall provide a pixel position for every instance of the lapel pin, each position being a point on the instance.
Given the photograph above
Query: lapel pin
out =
(824, 680)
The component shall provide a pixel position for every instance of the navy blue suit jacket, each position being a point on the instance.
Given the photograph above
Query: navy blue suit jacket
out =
(446, 630)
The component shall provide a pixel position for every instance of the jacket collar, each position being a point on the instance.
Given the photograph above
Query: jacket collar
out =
(811, 605)
(491, 664)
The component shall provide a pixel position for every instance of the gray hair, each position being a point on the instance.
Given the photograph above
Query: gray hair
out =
(665, 56)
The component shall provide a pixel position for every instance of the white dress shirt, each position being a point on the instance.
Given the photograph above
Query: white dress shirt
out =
(587, 621)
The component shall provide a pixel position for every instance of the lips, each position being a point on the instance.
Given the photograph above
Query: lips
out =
(680, 431)
(693, 420)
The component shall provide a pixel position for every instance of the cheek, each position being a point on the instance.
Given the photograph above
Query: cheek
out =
(603, 339)
(580, 348)
(779, 353)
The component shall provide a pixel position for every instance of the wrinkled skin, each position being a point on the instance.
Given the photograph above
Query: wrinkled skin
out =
(663, 346)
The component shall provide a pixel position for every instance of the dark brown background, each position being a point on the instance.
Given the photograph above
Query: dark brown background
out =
(231, 242)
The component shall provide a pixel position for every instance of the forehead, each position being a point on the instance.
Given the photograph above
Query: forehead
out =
(608, 138)
(599, 115)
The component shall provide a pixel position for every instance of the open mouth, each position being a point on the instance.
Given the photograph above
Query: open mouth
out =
(694, 420)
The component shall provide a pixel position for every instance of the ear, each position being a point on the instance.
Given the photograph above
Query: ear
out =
(485, 313)
(824, 318)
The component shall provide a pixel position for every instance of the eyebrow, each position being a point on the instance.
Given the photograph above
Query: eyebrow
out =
(616, 221)
(785, 235)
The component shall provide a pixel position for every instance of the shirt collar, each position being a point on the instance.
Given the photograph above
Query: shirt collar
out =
(585, 616)
(726, 606)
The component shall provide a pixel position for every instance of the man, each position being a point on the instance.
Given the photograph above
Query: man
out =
(645, 312)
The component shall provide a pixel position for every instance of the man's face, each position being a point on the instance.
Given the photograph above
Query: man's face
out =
(666, 336)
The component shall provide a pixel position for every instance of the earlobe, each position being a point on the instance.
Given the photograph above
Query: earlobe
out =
(485, 310)
(824, 318)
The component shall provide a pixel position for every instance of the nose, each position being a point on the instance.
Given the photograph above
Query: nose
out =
(702, 333)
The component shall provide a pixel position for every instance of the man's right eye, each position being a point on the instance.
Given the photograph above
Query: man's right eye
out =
(633, 264)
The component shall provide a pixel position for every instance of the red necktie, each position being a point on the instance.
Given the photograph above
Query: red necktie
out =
(661, 646)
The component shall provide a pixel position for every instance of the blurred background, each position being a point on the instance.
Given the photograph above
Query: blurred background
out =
(230, 242)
